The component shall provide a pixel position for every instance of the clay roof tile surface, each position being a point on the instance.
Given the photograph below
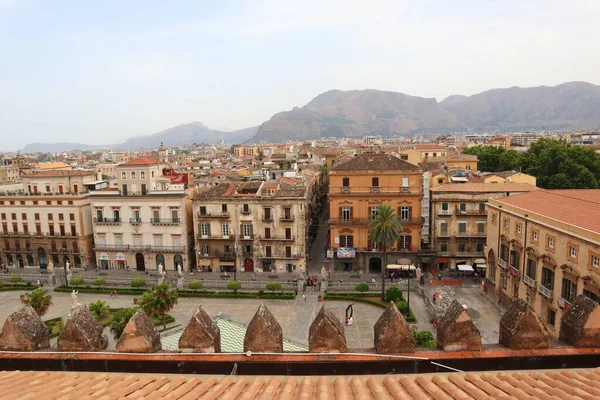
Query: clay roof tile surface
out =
(142, 161)
(375, 162)
(559, 384)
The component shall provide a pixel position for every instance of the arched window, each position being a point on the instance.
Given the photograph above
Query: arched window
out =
(132, 174)
(143, 175)
(152, 174)
(63, 245)
(123, 175)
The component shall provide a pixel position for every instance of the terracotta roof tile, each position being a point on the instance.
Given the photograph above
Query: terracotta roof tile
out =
(141, 161)
(580, 208)
(59, 173)
(375, 162)
(553, 384)
(484, 187)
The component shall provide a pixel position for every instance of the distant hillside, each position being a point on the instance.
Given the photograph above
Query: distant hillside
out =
(55, 147)
(186, 134)
(570, 105)
(357, 113)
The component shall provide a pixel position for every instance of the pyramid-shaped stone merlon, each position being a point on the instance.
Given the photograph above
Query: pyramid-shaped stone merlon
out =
(264, 334)
(82, 332)
(201, 335)
(580, 324)
(456, 331)
(139, 336)
(326, 334)
(24, 330)
(521, 328)
(392, 333)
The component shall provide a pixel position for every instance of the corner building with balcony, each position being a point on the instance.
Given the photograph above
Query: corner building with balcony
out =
(544, 247)
(357, 188)
(459, 220)
(253, 226)
(145, 221)
(49, 220)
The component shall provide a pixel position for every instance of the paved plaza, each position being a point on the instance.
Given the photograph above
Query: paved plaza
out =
(295, 316)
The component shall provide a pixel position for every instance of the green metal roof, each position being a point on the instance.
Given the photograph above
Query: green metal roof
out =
(232, 337)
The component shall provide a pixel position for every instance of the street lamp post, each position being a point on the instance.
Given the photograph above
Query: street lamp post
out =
(62, 253)
(408, 299)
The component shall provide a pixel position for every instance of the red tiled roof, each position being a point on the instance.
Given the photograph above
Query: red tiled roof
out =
(59, 173)
(142, 161)
(580, 208)
(484, 187)
(556, 384)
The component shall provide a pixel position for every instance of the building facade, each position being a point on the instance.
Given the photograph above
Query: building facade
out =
(252, 226)
(544, 247)
(357, 188)
(459, 220)
(146, 221)
(39, 229)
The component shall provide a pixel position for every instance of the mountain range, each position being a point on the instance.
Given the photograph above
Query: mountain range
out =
(356, 113)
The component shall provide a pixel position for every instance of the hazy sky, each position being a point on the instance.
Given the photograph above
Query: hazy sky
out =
(102, 71)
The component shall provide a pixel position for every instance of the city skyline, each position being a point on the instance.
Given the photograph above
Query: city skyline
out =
(98, 74)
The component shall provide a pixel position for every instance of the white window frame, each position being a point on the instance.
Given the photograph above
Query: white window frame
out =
(247, 230)
(346, 213)
(373, 212)
(225, 230)
(404, 182)
(204, 229)
(404, 213)
(595, 261)
(572, 251)
(551, 243)
(519, 228)
(535, 236)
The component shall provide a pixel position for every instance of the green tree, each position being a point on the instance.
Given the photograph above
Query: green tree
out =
(362, 287)
(99, 309)
(40, 300)
(195, 285)
(76, 282)
(393, 294)
(273, 286)
(99, 282)
(120, 319)
(424, 339)
(261, 155)
(385, 231)
(159, 301)
(138, 283)
(234, 285)
(15, 279)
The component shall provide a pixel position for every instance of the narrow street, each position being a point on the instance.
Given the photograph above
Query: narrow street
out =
(317, 251)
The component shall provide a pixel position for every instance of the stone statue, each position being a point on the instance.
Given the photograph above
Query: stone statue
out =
(323, 272)
(50, 266)
(418, 273)
(161, 269)
(440, 301)
(179, 272)
(67, 264)
(74, 297)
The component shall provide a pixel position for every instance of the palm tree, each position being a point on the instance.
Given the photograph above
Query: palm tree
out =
(385, 231)
(39, 300)
(159, 301)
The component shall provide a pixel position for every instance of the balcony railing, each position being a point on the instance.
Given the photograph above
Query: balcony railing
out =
(227, 255)
(281, 256)
(214, 215)
(445, 212)
(364, 221)
(246, 237)
(127, 247)
(546, 292)
(470, 212)
(529, 281)
(107, 221)
(461, 254)
(502, 263)
(165, 221)
(277, 238)
(268, 218)
(470, 234)
(513, 271)
(245, 212)
(375, 190)
(287, 218)
(135, 221)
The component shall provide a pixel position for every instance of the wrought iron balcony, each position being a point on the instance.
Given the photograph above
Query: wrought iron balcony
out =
(107, 221)
(112, 247)
(563, 303)
(214, 215)
(287, 218)
(135, 221)
(165, 221)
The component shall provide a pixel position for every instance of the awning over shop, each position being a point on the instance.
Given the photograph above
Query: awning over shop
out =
(482, 266)
(465, 268)
(410, 267)
(346, 252)
(227, 263)
(479, 261)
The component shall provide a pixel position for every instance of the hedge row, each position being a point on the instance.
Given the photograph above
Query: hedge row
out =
(9, 287)
(344, 297)
(185, 293)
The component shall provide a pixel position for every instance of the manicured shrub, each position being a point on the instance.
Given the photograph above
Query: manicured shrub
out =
(195, 285)
(362, 287)
(99, 282)
(15, 279)
(273, 286)
(99, 309)
(424, 339)
(234, 285)
(403, 307)
(393, 294)
(138, 283)
(76, 282)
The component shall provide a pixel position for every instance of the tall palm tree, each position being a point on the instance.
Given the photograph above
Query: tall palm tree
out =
(159, 301)
(40, 300)
(385, 231)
